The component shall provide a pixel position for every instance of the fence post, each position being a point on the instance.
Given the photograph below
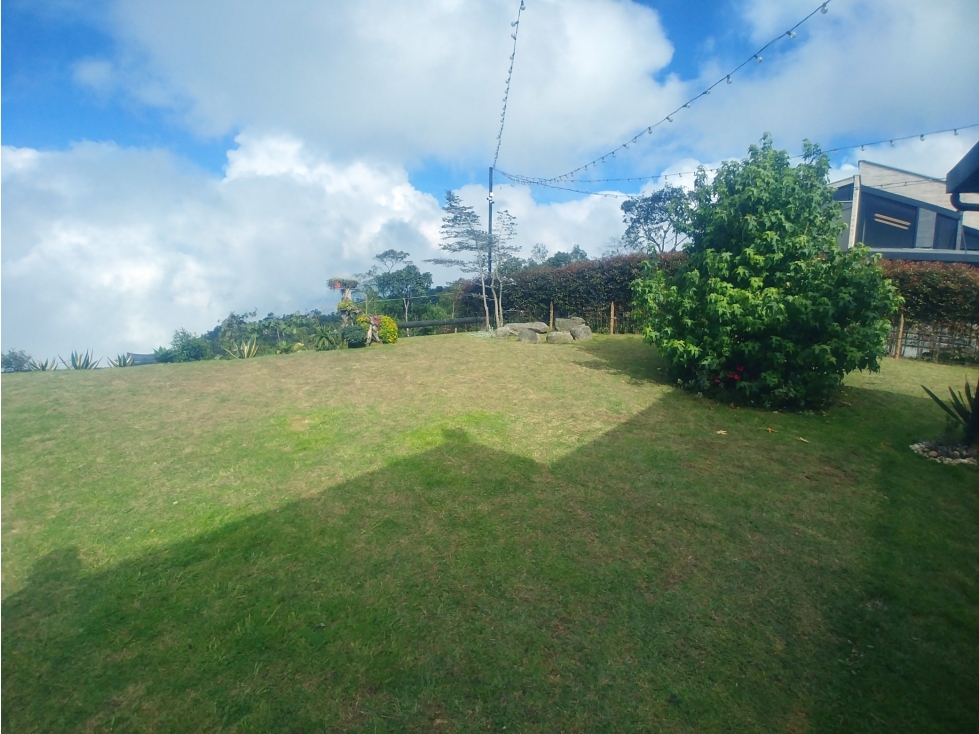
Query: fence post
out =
(551, 323)
(611, 318)
(900, 336)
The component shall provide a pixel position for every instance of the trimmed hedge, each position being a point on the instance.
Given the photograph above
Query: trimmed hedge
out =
(936, 293)
(575, 289)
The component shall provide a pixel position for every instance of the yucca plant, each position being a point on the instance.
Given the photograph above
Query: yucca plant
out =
(122, 360)
(243, 350)
(48, 365)
(81, 361)
(963, 409)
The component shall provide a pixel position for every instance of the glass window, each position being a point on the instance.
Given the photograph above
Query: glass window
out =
(844, 193)
(946, 232)
(886, 223)
(971, 239)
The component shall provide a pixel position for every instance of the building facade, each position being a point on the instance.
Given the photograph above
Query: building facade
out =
(905, 216)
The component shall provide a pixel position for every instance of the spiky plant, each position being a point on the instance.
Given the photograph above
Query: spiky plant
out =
(48, 365)
(963, 409)
(122, 360)
(243, 350)
(81, 361)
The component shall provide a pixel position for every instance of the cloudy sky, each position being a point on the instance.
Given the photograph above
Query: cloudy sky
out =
(165, 162)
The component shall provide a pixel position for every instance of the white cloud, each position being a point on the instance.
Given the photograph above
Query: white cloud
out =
(403, 81)
(113, 249)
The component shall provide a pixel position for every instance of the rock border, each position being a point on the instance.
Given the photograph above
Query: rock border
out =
(945, 454)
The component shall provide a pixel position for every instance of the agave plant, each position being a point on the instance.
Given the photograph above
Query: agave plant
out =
(48, 365)
(122, 360)
(243, 350)
(81, 361)
(963, 409)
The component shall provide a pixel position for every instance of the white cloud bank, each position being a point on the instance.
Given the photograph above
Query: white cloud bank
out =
(113, 249)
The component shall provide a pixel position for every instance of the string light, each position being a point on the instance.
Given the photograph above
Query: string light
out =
(824, 9)
(506, 94)
(666, 176)
(727, 78)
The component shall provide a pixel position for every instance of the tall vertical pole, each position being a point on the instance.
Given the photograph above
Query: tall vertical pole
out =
(489, 246)
(489, 226)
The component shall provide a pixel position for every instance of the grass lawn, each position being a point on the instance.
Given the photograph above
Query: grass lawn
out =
(461, 534)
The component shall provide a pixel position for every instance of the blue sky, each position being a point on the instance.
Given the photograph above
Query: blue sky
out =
(46, 109)
(168, 161)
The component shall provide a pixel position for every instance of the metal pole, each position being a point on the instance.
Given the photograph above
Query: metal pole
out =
(489, 226)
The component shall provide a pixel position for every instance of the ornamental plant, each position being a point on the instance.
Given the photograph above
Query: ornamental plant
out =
(354, 335)
(387, 329)
(767, 307)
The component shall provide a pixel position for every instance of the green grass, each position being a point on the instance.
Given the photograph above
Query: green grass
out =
(460, 534)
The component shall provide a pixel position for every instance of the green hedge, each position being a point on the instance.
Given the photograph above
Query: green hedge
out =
(576, 289)
(936, 293)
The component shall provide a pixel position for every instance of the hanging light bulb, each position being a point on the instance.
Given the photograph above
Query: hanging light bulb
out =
(955, 132)
(513, 36)
(791, 34)
(514, 24)
(862, 148)
(687, 105)
(922, 137)
(706, 91)
(669, 119)
(824, 9)
(729, 79)
(522, 6)
(758, 58)
(892, 143)
(649, 130)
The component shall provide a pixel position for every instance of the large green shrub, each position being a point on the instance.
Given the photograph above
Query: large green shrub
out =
(768, 306)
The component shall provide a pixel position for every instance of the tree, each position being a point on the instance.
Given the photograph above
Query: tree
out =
(560, 259)
(654, 223)
(406, 283)
(504, 252)
(16, 361)
(462, 235)
(390, 258)
(767, 307)
(538, 255)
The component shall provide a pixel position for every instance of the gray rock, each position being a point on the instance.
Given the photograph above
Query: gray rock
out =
(526, 335)
(537, 326)
(581, 333)
(503, 332)
(568, 324)
(559, 337)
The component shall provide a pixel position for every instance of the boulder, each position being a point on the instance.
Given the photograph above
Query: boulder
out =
(503, 332)
(581, 333)
(559, 337)
(568, 324)
(537, 326)
(526, 335)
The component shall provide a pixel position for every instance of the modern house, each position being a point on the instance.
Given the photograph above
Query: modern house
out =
(905, 216)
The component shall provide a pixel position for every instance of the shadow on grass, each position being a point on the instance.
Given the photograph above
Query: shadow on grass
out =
(464, 589)
(628, 356)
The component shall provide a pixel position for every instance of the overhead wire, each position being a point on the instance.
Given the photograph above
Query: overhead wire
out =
(506, 94)
(726, 79)
(518, 179)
